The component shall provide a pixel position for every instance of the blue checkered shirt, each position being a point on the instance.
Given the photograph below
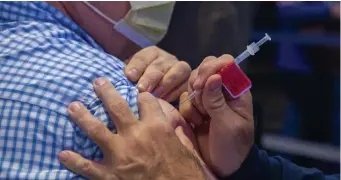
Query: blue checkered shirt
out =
(46, 62)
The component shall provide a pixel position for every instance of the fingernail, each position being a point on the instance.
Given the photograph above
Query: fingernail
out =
(75, 106)
(215, 85)
(142, 87)
(132, 73)
(100, 81)
(63, 156)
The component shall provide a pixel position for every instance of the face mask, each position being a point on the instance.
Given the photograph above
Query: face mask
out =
(145, 24)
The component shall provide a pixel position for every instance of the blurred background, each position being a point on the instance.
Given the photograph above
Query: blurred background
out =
(296, 77)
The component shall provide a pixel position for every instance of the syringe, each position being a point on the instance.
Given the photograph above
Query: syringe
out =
(251, 49)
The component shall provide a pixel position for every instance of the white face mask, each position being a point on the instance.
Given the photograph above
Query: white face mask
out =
(145, 24)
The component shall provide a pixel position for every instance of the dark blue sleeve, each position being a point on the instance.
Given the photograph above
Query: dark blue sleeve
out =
(258, 165)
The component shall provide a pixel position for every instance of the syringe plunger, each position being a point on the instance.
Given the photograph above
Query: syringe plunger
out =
(263, 40)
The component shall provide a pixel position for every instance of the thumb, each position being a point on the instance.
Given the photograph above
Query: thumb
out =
(213, 98)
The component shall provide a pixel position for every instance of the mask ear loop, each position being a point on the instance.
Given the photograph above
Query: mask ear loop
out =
(99, 12)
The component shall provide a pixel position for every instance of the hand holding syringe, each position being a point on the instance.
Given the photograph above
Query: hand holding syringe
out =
(234, 80)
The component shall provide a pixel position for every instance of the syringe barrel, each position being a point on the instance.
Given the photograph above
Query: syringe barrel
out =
(252, 49)
(242, 57)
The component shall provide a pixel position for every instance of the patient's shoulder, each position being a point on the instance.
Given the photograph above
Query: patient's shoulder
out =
(54, 68)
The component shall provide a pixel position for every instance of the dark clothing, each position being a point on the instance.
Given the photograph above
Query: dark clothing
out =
(201, 29)
(259, 165)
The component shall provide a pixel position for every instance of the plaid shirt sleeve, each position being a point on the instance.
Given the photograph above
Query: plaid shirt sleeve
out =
(47, 62)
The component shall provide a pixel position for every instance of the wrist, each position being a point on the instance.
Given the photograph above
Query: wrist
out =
(183, 173)
(226, 166)
(247, 168)
(225, 170)
(185, 168)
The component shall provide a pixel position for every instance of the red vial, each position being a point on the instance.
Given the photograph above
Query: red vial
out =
(234, 80)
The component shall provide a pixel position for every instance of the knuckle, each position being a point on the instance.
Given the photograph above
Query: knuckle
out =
(162, 61)
(153, 48)
(86, 167)
(137, 133)
(81, 114)
(146, 97)
(185, 66)
(226, 58)
(118, 108)
(167, 54)
(173, 79)
(209, 58)
(205, 66)
(216, 103)
(171, 56)
(151, 51)
(138, 64)
(163, 64)
(96, 129)
(105, 89)
(159, 128)
(153, 75)
(181, 74)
